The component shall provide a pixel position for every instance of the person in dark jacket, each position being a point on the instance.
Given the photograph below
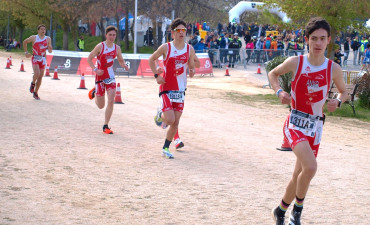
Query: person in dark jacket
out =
(346, 46)
(234, 48)
(355, 46)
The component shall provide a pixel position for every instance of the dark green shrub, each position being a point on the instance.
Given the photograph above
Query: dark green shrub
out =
(285, 80)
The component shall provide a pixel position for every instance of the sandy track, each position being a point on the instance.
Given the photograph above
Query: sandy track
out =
(56, 166)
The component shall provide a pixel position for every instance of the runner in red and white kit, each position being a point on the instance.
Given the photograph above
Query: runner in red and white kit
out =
(312, 78)
(40, 43)
(177, 57)
(105, 80)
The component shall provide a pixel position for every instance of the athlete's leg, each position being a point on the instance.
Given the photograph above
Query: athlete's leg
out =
(173, 126)
(39, 79)
(109, 110)
(308, 163)
(291, 189)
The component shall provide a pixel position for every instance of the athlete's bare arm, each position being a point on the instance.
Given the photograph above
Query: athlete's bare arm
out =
(289, 65)
(191, 62)
(31, 39)
(50, 47)
(196, 61)
(95, 52)
(341, 86)
(161, 51)
(120, 59)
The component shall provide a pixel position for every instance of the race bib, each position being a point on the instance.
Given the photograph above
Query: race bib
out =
(38, 58)
(176, 96)
(109, 80)
(303, 122)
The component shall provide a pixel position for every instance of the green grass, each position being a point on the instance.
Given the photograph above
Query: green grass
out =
(345, 111)
(242, 98)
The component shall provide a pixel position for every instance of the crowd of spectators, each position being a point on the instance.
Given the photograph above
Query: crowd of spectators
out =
(264, 42)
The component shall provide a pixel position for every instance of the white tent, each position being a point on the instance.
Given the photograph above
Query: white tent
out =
(243, 6)
(144, 22)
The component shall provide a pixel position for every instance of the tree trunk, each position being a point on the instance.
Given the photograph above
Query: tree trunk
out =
(118, 39)
(74, 29)
(127, 44)
(65, 28)
(20, 40)
(101, 28)
(331, 45)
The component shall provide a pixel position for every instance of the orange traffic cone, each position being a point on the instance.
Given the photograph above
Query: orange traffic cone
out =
(7, 64)
(82, 83)
(117, 99)
(55, 74)
(285, 146)
(227, 71)
(22, 67)
(259, 69)
(10, 60)
(47, 73)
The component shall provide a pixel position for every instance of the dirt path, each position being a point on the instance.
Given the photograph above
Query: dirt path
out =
(56, 166)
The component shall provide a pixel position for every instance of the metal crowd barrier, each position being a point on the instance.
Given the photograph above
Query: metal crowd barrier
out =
(222, 57)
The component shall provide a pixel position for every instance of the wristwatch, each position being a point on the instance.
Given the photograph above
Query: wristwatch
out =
(96, 69)
(155, 75)
(339, 102)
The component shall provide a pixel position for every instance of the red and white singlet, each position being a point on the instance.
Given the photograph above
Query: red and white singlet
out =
(172, 93)
(309, 91)
(39, 51)
(105, 62)
(175, 66)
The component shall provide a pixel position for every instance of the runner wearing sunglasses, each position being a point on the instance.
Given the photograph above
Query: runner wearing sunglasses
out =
(177, 57)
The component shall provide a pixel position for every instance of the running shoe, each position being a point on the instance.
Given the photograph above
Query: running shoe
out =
(277, 219)
(92, 94)
(179, 143)
(166, 153)
(32, 87)
(295, 218)
(158, 118)
(36, 96)
(107, 130)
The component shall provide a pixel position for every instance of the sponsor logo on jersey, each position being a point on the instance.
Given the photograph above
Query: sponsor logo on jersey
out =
(319, 77)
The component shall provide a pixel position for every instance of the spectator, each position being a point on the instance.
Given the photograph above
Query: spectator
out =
(274, 46)
(337, 55)
(200, 47)
(249, 49)
(280, 46)
(234, 48)
(224, 40)
(1, 41)
(148, 37)
(338, 42)
(259, 47)
(355, 46)
(267, 47)
(366, 61)
(193, 40)
(247, 37)
(81, 43)
(213, 46)
(10, 45)
(346, 46)
(362, 49)
(300, 46)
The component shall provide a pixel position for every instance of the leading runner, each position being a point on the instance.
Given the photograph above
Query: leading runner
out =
(177, 57)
